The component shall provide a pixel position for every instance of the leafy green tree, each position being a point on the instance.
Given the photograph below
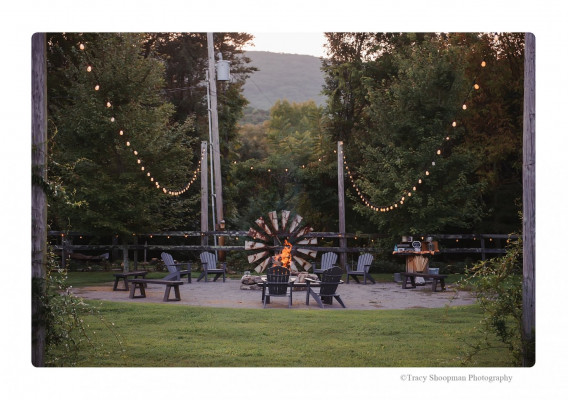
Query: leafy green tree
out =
(185, 57)
(111, 122)
(280, 177)
(392, 98)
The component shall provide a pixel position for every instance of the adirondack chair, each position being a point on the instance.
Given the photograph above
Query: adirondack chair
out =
(328, 260)
(363, 265)
(276, 285)
(175, 269)
(330, 279)
(209, 264)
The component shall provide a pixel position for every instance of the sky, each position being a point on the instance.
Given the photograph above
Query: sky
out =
(306, 43)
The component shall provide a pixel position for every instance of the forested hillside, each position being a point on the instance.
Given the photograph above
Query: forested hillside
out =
(296, 78)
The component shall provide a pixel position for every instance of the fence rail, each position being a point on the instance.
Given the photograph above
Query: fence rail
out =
(66, 247)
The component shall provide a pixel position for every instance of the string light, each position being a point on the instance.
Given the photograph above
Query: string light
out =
(89, 68)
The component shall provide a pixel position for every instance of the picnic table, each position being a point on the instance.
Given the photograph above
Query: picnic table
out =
(124, 276)
(416, 261)
(410, 278)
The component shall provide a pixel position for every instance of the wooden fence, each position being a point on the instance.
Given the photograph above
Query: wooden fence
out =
(485, 244)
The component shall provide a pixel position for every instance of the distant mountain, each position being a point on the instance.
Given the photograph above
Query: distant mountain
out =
(296, 78)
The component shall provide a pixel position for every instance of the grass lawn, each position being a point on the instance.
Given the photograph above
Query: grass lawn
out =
(171, 335)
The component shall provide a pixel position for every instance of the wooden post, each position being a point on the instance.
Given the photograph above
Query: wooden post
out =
(482, 243)
(39, 199)
(341, 198)
(529, 202)
(136, 253)
(204, 195)
(215, 131)
(125, 263)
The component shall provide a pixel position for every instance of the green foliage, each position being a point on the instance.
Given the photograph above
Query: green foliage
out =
(70, 339)
(497, 283)
(392, 99)
(89, 157)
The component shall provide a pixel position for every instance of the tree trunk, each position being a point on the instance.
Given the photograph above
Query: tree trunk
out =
(39, 201)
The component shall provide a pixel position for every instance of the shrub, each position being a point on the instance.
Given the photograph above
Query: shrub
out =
(498, 285)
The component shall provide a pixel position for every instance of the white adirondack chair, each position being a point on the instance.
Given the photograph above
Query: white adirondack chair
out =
(209, 264)
(363, 264)
(175, 269)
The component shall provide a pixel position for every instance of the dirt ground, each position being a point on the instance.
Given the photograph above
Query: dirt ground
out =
(230, 295)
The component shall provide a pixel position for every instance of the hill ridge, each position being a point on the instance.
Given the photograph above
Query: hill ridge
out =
(293, 77)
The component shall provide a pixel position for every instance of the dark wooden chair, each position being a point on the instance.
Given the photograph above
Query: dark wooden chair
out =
(209, 264)
(330, 280)
(328, 260)
(175, 269)
(362, 269)
(276, 285)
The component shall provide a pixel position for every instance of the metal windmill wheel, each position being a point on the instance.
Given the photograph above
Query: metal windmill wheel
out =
(274, 237)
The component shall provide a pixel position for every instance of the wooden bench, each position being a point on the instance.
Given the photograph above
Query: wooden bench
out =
(141, 284)
(124, 276)
(410, 278)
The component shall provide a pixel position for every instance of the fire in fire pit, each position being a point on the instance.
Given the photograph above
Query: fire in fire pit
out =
(286, 255)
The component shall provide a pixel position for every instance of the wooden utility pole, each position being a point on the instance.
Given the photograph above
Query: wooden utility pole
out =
(39, 200)
(215, 130)
(204, 194)
(341, 198)
(529, 203)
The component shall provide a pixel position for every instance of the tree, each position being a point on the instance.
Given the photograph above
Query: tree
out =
(392, 98)
(185, 58)
(110, 130)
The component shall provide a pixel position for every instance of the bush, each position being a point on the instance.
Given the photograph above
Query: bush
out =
(66, 332)
(498, 285)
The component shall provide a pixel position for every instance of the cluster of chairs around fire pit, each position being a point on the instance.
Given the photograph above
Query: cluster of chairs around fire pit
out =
(276, 284)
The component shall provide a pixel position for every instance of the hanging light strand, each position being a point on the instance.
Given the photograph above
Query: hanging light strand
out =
(426, 171)
(108, 104)
(156, 183)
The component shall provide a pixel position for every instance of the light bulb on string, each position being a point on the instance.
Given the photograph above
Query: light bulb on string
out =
(121, 133)
(483, 64)
(464, 107)
(97, 87)
(476, 86)
(81, 46)
(108, 104)
(439, 152)
(89, 68)
(454, 124)
(427, 173)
